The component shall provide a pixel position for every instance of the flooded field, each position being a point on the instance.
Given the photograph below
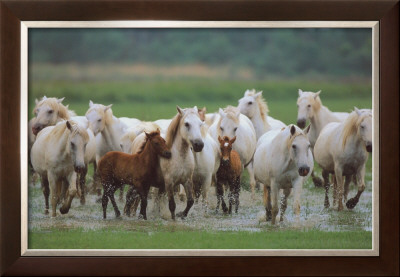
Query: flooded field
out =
(250, 218)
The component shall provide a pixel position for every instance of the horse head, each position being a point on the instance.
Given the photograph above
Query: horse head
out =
(229, 122)
(77, 140)
(248, 104)
(307, 104)
(48, 112)
(97, 116)
(364, 129)
(226, 148)
(190, 127)
(158, 144)
(300, 150)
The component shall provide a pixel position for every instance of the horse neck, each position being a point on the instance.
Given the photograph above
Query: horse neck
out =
(180, 145)
(112, 133)
(260, 124)
(62, 145)
(148, 157)
(321, 118)
(282, 149)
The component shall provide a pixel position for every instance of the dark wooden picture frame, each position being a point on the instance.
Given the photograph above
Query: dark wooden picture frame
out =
(13, 12)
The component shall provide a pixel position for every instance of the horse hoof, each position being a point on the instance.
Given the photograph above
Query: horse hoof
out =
(317, 182)
(64, 210)
(46, 211)
(351, 203)
(118, 215)
(181, 215)
(83, 202)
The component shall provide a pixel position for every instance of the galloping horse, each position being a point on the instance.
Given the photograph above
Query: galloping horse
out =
(183, 134)
(342, 149)
(58, 155)
(283, 160)
(228, 174)
(255, 107)
(138, 170)
(310, 107)
(232, 123)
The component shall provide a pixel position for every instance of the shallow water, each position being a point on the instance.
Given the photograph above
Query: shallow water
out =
(250, 217)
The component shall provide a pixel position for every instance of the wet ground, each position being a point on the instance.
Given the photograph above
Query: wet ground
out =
(251, 215)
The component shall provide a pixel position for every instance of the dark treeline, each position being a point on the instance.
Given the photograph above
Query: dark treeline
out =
(280, 52)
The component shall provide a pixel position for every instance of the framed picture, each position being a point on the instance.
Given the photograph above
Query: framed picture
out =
(192, 59)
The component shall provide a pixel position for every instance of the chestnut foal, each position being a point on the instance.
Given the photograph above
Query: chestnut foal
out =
(138, 170)
(228, 174)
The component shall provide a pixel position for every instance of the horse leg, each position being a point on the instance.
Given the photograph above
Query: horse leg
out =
(46, 192)
(347, 181)
(171, 200)
(111, 196)
(219, 192)
(284, 198)
(121, 193)
(53, 183)
(82, 181)
(71, 193)
(316, 180)
(339, 180)
(267, 202)
(129, 200)
(143, 204)
(351, 203)
(236, 192)
(250, 169)
(205, 185)
(325, 175)
(230, 197)
(297, 188)
(334, 191)
(189, 196)
(274, 201)
(104, 203)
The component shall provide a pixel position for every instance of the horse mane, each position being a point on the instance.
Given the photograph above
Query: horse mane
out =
(172, 130)
(63, 111)
(261, 102)
(351, 125)
(291, 138)
(76, 129)
(141, 149)
(231, 112)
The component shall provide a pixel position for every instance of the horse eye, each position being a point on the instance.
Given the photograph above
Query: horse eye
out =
(72, 144)
(221, 128)
(50, 112)
(294, 146)
(250, 103)
(362, 127)
(99, 120)
(187, 124)
(235, 129)
(308, 106)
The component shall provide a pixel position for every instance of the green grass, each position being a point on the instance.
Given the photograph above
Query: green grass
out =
(121, 239)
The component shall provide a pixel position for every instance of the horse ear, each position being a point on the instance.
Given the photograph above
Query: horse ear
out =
(300, 92)
(68, 125)
(220, 139)
(258, 94)
(147, 134)
(307, 129)
(44, 97)
(180, 111)
(357, 111)
(317, 94)
(36, 101)
(60, 100)
(91, 103)
(221, 112)
(233, 140)
(107, 107)
(237, 114)
(292, 130)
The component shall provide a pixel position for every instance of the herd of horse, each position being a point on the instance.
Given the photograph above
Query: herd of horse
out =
(195, 150)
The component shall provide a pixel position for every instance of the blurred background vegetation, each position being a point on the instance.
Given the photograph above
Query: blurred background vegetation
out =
(144, 73)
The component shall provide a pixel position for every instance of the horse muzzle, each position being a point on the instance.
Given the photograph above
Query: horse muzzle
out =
(167, 154)
(301, 123)
(224, 161)
(369, 147)
(79, 168)
(198, 145)
(36, 129)
(304, 170)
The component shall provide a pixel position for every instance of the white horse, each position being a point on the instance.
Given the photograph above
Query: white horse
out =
(50, 111)
(108, 131)
(283, 160)
(232, 123)
(57, 155)
(183, 134)
(255, 107)
(342, 149)
(310, 108)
